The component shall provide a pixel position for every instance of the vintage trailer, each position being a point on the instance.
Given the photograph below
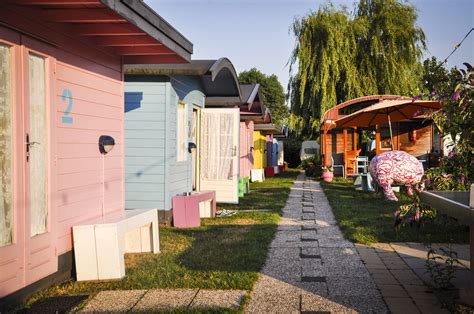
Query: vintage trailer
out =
(169, 134)
(61, 89)
(341, 146)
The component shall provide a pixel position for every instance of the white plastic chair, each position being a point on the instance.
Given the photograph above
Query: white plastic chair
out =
(362, 163)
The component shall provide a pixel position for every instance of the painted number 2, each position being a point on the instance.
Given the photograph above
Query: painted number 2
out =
(67, 95)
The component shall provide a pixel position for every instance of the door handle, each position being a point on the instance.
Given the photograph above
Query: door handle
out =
(28, 145)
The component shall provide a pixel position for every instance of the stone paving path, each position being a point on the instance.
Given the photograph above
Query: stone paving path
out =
(310, 266)
(400, 273)
(163, 300)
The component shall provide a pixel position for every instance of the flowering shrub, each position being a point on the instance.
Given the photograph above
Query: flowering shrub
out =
(456, 119)
(456, 170)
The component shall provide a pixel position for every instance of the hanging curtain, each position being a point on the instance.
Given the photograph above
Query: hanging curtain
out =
(217, 146)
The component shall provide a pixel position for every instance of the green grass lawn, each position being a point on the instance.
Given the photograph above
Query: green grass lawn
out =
(368, 218)
(270, 194)
(224, 253)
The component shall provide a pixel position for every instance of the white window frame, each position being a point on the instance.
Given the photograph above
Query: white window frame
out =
(182, 132)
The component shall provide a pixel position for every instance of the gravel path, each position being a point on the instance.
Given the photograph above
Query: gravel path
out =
(310, 266)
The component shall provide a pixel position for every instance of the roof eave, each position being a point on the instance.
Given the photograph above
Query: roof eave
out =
(142, 16)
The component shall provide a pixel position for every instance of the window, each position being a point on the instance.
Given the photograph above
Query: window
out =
(385, 139)
(182, 132)
(38, 153)
(6, 151)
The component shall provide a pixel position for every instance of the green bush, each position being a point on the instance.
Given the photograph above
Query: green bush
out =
(312, 166)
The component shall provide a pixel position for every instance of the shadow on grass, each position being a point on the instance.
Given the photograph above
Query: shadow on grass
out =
(268, 195)
(59, 304)
(368, 218)
(233, 248)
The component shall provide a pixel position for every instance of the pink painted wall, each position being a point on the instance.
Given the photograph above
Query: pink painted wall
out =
(250, 130)
(94, 80)
(243, 150)
(246, 141)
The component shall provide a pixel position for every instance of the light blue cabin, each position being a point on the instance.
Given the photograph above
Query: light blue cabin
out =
(162, 119)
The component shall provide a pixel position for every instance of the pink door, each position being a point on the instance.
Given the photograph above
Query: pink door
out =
(27, 248)
(12, 216)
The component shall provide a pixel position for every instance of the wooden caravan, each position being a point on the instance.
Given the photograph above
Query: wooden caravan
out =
(61, 100)
(349, 143)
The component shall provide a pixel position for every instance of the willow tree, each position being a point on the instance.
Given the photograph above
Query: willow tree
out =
(339, 56)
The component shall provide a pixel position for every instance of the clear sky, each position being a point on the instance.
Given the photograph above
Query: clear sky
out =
(255, 33)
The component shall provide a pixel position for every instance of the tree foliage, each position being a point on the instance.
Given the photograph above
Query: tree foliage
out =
(340, 55)
(271, 91)
(437, 80)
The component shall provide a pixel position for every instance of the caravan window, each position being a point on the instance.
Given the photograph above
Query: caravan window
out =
(6, 151)
(182, 132)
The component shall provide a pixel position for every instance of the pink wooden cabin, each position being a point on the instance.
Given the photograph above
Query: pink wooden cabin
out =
(251, 110)
(61, 88)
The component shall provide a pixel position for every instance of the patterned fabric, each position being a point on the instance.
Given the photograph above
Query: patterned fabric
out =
(396, 167)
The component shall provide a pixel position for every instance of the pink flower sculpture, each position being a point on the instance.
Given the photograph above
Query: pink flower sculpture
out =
(396, 167)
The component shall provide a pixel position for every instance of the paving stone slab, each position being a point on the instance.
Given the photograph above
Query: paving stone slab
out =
(274, 296)
(351, 286)
(282, 269)
(397, 265)
(165, 299)
(310, 252)
(309, 235)
(308, 216)
(309, 244)
(341, 262)
(335, 243)
(313, 303)
(384, 279)
(229, 299)
(382, 247)
(401, 305)
(330, 230)
(414, 262)
(347, 271)
(406, 277)
(309, 227)
(316, 287)
(362, 304)
(114, 301)
(283, 253)
(288, 227)
(405, 251)
(392, 290)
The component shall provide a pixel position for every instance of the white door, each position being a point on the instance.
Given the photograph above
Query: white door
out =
(220, 153)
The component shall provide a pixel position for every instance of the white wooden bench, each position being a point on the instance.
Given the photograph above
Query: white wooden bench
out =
(99, 248)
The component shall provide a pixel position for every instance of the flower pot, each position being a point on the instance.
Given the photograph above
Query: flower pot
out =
(327, 176)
